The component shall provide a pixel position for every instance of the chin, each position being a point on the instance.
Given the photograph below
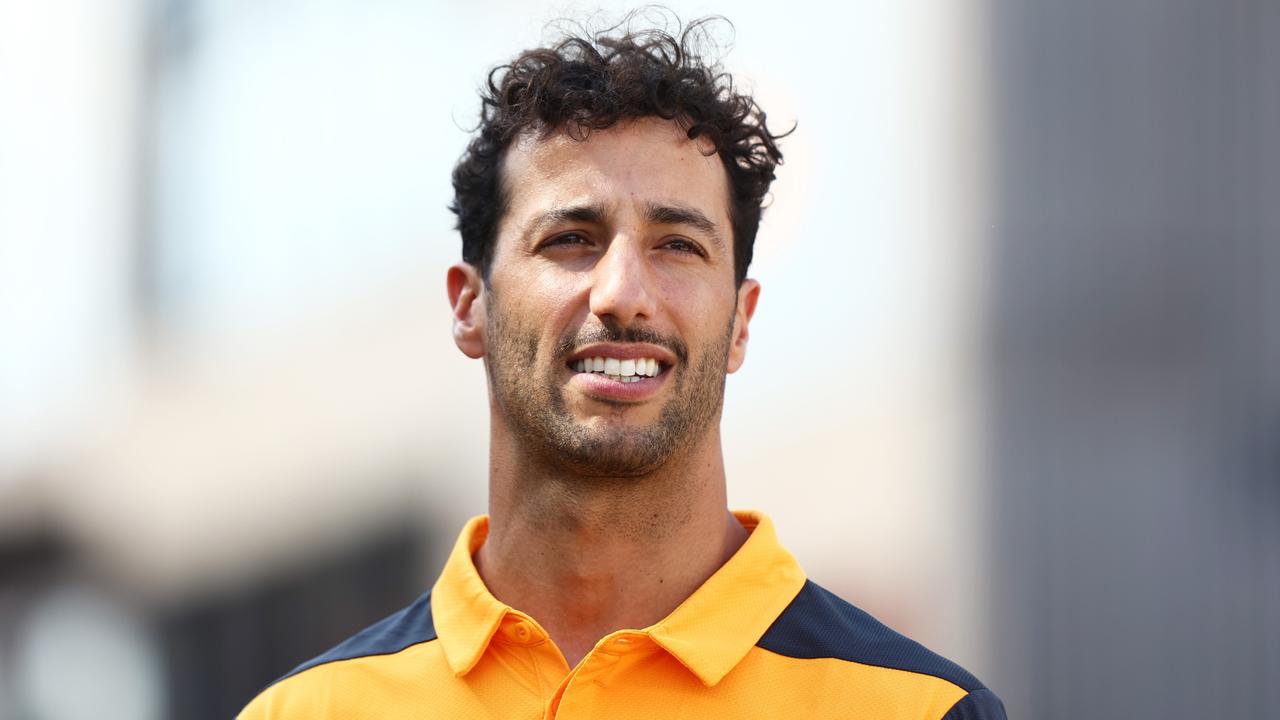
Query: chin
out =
(615, 453)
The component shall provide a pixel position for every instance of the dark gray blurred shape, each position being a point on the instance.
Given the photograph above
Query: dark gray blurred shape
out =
(223, 650)
(1135, 358)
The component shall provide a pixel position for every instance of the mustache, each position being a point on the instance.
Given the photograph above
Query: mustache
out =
(617, 334)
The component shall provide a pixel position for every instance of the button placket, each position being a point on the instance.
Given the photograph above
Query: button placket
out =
(606, 658)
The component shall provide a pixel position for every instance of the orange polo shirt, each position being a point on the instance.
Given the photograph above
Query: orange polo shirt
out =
(756, 640)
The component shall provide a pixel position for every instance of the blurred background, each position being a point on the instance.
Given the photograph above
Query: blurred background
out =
(1014, 380)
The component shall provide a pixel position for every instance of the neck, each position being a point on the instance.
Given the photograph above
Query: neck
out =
(585, 556)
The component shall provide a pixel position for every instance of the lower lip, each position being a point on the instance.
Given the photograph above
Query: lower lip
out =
(599, 386)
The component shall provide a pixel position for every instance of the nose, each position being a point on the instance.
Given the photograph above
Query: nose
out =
(621, 285)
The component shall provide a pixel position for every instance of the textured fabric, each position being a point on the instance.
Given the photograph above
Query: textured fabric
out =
(981, 704)
(817, 624)
(394, 634)
(755, 640)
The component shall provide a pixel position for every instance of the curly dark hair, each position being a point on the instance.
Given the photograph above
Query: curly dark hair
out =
(591, 81)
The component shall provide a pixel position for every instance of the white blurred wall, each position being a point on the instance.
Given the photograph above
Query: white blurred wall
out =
(69, 76)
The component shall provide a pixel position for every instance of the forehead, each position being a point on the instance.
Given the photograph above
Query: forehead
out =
(635, 163)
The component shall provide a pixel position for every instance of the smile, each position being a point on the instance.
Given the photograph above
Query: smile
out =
(624, 371)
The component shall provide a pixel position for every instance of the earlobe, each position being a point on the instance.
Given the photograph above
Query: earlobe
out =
(466, 286)
(748, 295)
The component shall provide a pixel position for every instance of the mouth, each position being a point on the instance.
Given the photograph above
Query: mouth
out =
(628, 370)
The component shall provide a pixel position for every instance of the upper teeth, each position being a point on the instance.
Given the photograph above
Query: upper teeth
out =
(620, 368)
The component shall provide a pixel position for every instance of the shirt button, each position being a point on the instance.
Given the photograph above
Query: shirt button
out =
(519, 631)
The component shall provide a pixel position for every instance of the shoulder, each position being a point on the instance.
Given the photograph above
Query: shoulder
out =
(302, 691)
(817, 624)
(391, 635)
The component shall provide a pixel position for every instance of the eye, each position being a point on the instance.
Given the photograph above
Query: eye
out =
(570, 238)
(684, 245)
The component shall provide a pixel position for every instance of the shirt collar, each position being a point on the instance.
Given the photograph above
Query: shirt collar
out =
(709, 633)
(464, 612)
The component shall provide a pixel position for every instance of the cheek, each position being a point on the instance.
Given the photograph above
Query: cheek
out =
(550, 291)
(539, 310)
(699, 309)
(557, 294)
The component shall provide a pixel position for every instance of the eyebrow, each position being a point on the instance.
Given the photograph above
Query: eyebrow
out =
(593, 214)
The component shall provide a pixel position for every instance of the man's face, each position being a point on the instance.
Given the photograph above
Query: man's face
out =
(611, 314)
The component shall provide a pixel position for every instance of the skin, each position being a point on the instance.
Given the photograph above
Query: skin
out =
(606, 513)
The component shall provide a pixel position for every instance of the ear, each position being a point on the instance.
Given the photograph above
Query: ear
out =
(748, 294)
(466, 289)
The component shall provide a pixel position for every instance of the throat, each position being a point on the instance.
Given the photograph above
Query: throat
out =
(585, 583)
(586, 555)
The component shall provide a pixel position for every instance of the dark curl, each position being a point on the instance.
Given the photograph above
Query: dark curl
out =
(591, 81)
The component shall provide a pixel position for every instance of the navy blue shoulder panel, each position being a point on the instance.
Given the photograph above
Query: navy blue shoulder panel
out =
(408, 627)
(977, 705)
(817, 624)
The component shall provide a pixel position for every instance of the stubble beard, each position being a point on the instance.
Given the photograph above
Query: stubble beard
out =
(529, 393)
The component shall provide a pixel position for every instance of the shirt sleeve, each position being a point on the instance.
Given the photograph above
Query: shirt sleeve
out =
(980, 704)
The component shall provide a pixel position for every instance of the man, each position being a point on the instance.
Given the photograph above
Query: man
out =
(608, 207)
